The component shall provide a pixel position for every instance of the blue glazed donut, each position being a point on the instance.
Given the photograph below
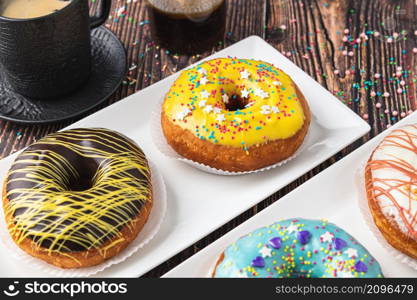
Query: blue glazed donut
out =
(297, 248)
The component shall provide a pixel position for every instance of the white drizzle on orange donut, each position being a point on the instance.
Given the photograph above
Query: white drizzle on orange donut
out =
(393, 168)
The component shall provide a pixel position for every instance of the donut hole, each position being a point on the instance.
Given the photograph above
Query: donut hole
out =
(236, 103)
(80, 184)
(84, 180)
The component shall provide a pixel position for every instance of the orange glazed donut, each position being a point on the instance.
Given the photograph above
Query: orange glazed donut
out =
(235, 114)
(391, 186)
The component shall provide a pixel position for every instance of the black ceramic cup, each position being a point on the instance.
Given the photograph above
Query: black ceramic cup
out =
(49, 56)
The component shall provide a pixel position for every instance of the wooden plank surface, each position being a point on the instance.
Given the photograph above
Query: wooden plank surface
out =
(354, 48)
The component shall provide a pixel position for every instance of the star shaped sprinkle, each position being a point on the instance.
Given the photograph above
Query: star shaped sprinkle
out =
(265, 109)
(275, 109)
(204, 94)
(245, 93)
(258, 92)
(217, 110)
(181, 115)
(202, 103)
(245, 74)
(202, 71)
(225, 98)
(265, 251)
(292, 228)
(327, 237)
(351, 252)
(220, 118)
(261, 93)
(203, 80)
(208, 108)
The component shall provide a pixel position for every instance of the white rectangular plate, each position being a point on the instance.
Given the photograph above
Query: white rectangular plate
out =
(198, 203)
(332, 195)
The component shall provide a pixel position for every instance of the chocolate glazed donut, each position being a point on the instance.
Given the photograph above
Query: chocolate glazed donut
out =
(78, 197)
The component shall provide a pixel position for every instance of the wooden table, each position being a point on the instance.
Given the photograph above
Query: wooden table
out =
(360, 50)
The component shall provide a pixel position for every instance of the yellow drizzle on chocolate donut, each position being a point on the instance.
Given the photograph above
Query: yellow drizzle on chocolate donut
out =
(235, 102)
(75, 190)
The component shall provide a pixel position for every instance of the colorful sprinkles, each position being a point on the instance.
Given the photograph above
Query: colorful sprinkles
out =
(298, 248)
(400, 84)
(389, 89)
(235, 102)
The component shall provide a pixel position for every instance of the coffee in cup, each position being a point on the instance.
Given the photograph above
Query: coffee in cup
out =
(47, 56)
(28, 9)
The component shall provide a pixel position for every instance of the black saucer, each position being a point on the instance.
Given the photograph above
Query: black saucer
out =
(108, 70)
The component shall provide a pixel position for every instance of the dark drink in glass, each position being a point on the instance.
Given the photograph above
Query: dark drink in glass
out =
(187, 26)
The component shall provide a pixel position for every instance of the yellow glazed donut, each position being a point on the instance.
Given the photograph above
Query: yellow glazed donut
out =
(235, 114)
